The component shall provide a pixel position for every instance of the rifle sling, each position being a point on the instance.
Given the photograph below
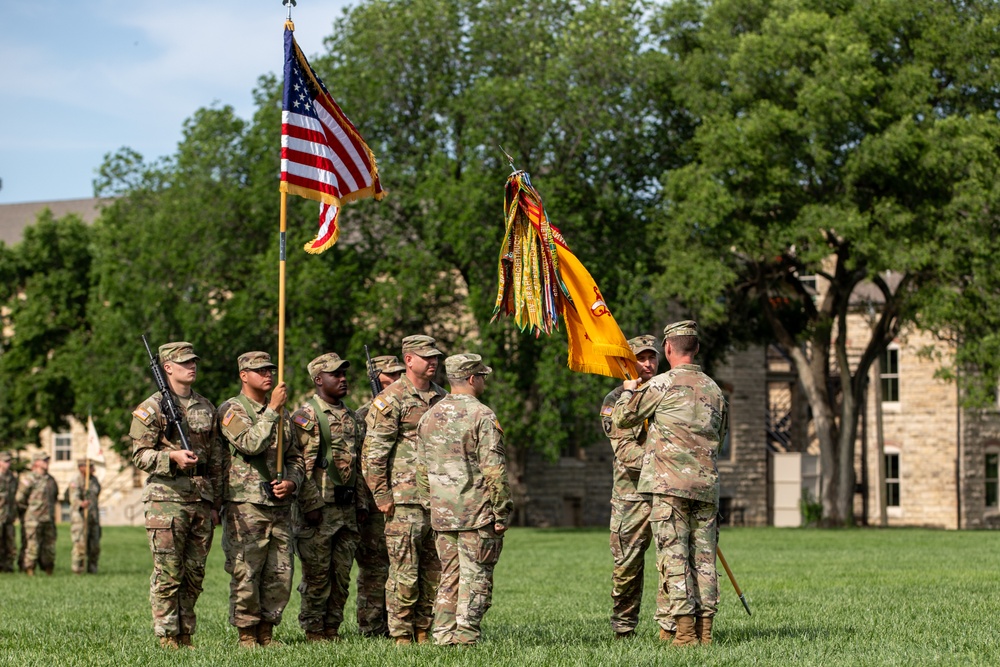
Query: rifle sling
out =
(258, 461)
(325, 438)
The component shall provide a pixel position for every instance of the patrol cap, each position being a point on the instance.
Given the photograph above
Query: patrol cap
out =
(460, 366)
(5, 456)
(39, 456)
(80, 463)
(682, 328)
(179, 351)
(422, 346)
(252, 361)
(328, 363)
(643, 343)
(388, 363)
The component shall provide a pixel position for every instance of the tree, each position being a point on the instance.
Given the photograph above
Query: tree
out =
(44, 284)
(851, 141)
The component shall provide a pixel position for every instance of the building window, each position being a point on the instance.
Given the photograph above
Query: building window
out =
(992, 478)
(63, 448)
(891, 479)
(889, 375)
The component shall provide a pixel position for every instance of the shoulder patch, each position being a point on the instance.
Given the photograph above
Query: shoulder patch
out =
(383, 406)
(302, 420)
(496, 423)
(607, 410)
(143, 415)
(230, 413)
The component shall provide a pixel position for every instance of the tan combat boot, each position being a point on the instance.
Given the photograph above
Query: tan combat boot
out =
(265, 634)
(628, 634)
(703, 629)
(248, 637)
(685, 631)
(403, 641)
(30, 571)
(185, 640)
(315, 636)
(48, 570)
(169, 643)
(667, 635)
(423, 636)
(332, 634)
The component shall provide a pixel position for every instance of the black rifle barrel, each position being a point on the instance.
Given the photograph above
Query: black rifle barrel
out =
(173, 414)
(373, 381)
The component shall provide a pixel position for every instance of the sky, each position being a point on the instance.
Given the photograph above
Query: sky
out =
(82, 78)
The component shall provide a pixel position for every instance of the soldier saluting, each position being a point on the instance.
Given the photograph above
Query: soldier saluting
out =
(182, 494)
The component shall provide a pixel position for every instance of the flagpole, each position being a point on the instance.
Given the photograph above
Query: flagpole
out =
(279, 466)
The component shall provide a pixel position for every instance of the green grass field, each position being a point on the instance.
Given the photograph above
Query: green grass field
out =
(858, 597)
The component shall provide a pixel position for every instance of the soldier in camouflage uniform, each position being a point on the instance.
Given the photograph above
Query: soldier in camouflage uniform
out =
(182, 494)
(372, 555)
(463, 470)
(8, 513)
(257, 531)
(631, 533)
(37, 498)
(689, 418)
(389, 461)
(85, 519)
(332, 498)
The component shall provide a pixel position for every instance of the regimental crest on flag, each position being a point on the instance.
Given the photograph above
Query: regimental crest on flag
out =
(323, 157)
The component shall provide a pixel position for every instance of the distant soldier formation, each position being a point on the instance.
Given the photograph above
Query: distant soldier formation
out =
(413, 487)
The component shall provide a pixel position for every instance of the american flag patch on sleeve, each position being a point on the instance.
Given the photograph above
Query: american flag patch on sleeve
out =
(380, 404)
(607, 410)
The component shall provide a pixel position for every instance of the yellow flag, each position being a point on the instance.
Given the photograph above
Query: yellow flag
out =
(540, 280)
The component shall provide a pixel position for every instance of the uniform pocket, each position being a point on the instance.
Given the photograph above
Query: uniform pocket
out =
(161, 534)
(661, 512)
(490, 545)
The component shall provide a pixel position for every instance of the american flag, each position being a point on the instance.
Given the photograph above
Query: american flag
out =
(322, 155)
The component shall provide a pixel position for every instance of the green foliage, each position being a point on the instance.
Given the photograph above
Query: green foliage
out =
(44, 287)
(843, 140)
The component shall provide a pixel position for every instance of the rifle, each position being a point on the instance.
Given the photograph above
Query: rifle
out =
(169, 407)
(373, 381)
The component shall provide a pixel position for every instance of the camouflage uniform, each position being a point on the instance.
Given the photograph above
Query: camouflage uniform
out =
(178, 503)
(464, 472)
(333, 484)
(372, 555)
(631, 533)
(38, 497)
(257, 535)
(389, 464)
(85, 526)
(8, 514)
(688, 419)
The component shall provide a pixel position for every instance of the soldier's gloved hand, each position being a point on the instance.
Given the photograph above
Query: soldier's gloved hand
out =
(283, 489)
(314, 517)
(184, 459)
